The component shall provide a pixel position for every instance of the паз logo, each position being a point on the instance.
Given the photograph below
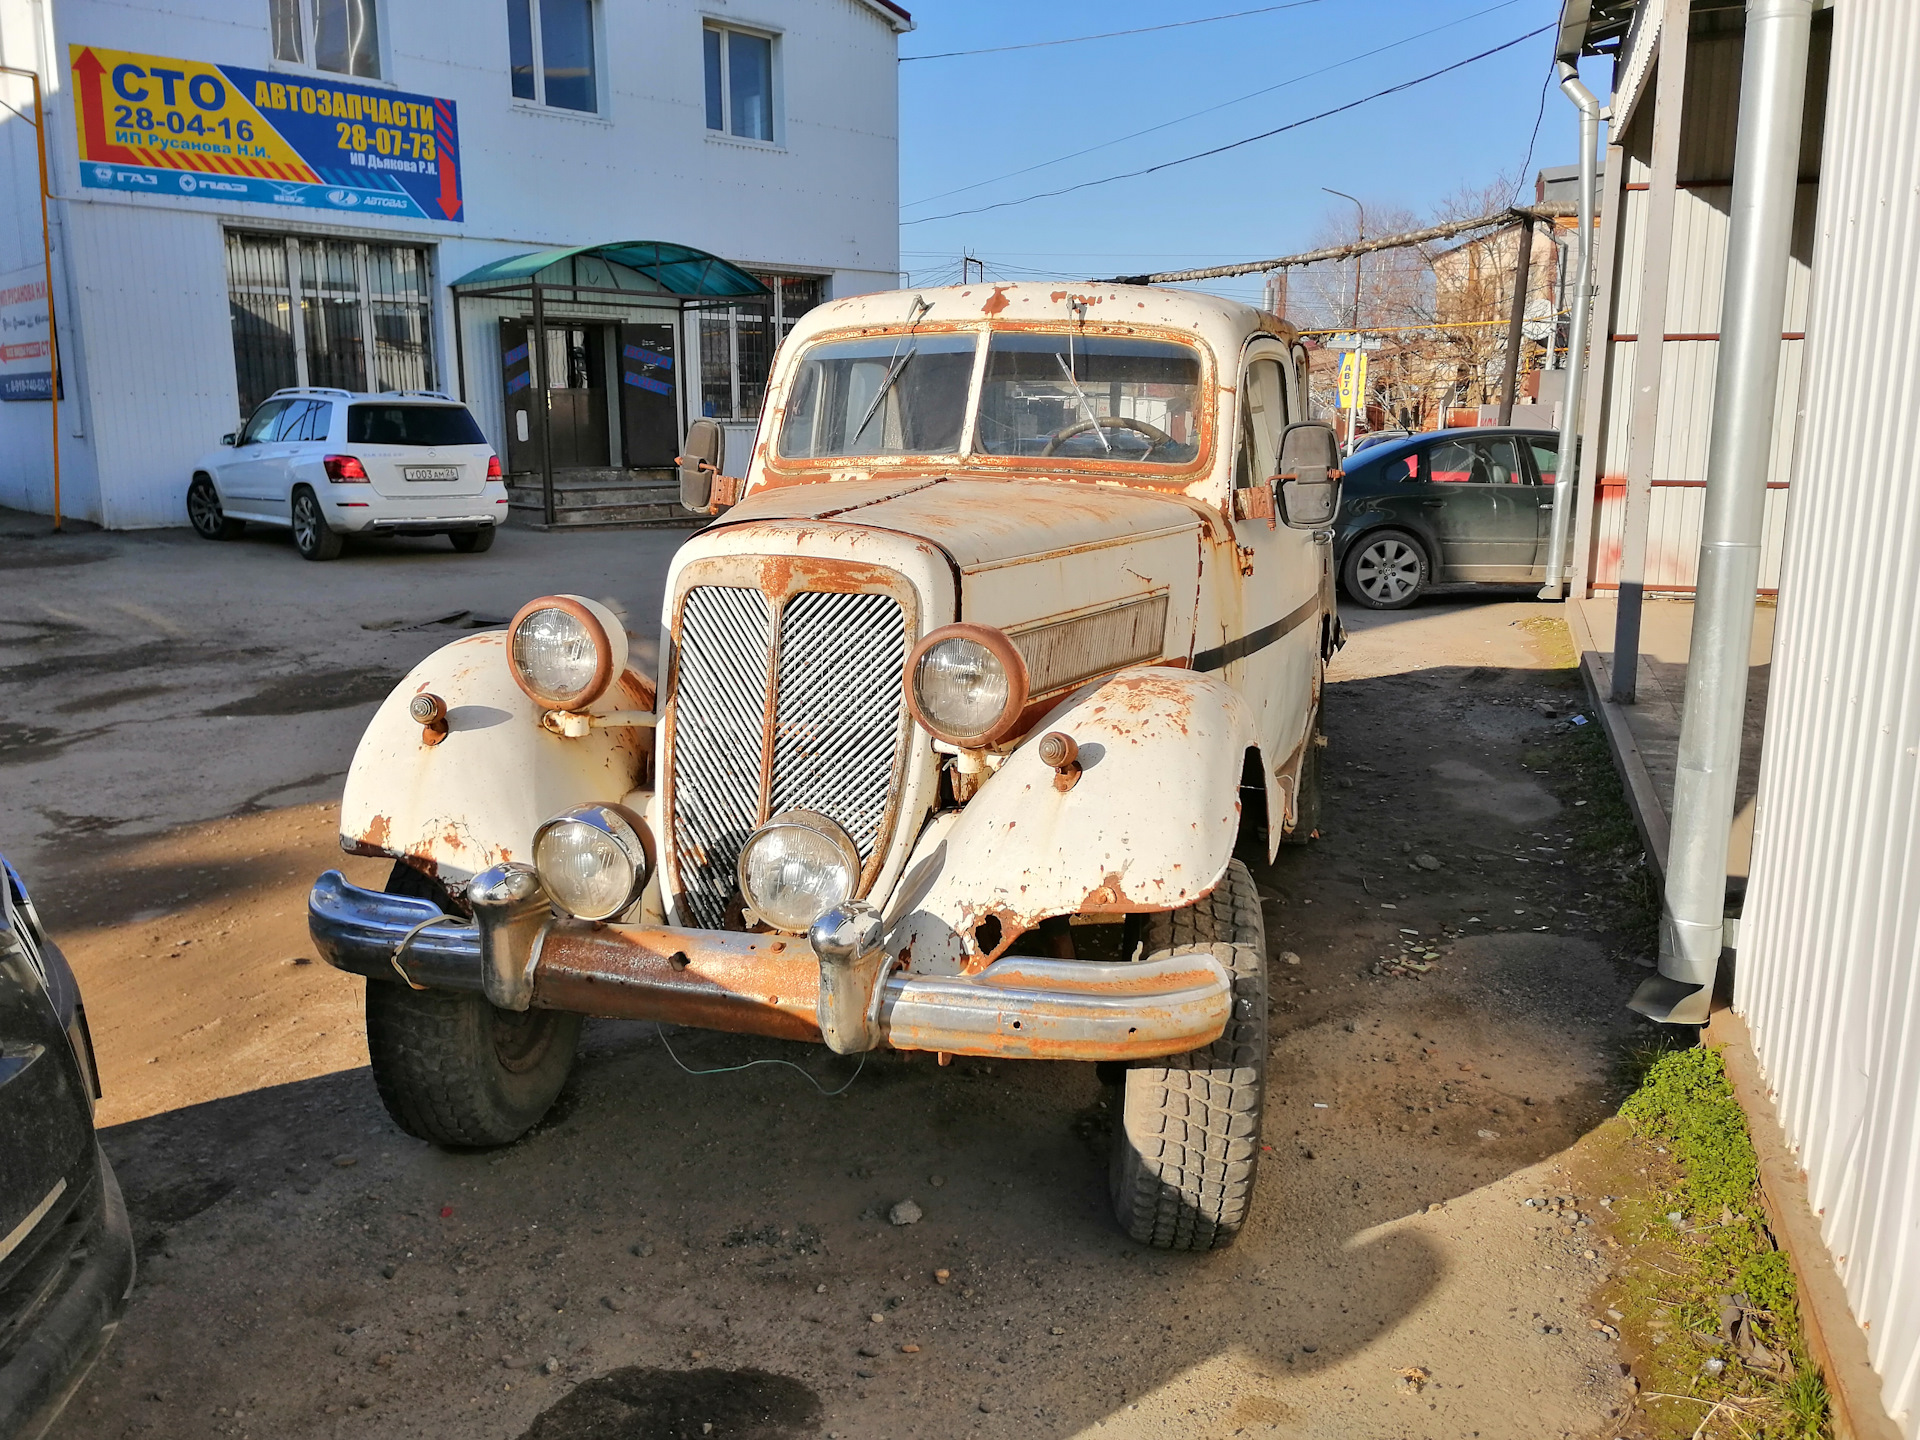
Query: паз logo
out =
(189, 184)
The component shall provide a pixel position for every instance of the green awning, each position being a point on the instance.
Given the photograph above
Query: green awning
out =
(659, 266)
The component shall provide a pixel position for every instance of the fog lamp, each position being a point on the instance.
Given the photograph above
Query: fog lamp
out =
(796, 867)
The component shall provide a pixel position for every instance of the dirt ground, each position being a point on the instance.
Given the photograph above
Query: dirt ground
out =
(676, 1254)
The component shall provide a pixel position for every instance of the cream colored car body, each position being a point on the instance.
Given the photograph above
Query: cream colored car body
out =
(1219, 616)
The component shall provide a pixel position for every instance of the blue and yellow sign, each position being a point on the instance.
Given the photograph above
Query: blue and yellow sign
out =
(224, 132)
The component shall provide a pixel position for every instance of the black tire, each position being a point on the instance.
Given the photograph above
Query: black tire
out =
(1306, 809)
(1385, 570)
(453, 1070)
(1186, 1137)
(472, 542)
(205, 514)
(312, 536)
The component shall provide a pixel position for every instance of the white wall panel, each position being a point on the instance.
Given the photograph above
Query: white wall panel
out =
(1829, 962)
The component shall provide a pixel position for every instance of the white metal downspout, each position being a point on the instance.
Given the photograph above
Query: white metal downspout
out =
(1773, 82)
(1567, 489)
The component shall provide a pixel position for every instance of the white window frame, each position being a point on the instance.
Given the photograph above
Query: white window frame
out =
(597, 12)
(383, 52)
(776, 83)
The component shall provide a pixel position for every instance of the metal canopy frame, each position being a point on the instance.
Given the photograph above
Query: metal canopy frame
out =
(704, 282)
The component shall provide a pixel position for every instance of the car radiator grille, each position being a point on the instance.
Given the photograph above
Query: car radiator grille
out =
(836, 724)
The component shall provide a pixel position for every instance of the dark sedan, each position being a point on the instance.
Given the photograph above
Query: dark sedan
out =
(1448, 507)
(66, 1250)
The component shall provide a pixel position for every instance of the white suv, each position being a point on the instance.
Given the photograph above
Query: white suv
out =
(330, 463)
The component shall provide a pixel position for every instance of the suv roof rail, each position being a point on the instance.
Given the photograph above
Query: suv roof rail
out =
(311, 390)
(430, 394)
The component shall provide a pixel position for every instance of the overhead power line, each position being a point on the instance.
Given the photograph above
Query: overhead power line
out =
(1510, 216)
(1236, 144)
(1112, 34)
(1224, 104)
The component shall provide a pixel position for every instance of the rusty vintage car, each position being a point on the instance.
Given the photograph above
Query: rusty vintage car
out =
(1013, 632)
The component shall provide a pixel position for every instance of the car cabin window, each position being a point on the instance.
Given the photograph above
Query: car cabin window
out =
(1546, 459)
(1264, 415)
(1503, 462)
(1081, 397)
(261, 426)
(1454, 462)
(412, 425)
(1403, 471)
(305, 420)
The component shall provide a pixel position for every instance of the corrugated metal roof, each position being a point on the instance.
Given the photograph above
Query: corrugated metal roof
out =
(670, 269)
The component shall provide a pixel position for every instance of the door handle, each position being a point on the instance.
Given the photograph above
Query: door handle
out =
(1431, 504)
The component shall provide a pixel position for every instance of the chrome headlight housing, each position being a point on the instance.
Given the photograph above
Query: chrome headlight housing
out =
(565, 650)
(796, 867)
(967, 684)
(593, 859)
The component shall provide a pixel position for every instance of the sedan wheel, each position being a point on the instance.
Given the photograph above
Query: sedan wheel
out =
(312, 536)
(1386, 572)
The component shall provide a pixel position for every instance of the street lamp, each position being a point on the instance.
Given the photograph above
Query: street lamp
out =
(1358, 400)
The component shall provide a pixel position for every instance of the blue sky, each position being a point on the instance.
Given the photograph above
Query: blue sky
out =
(974, 119)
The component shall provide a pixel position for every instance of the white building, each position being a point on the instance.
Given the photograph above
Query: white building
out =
(257, 193)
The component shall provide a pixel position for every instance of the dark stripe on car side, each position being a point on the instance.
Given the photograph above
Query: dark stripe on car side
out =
(1257, 640)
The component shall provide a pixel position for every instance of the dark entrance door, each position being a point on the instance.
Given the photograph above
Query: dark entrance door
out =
(576, 396)
(649, 414)
(523, 425)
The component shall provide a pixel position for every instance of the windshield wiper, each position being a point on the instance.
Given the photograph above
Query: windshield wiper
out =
(1085, 404)
(893, 374)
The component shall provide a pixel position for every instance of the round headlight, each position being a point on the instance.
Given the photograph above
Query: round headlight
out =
(593, 860)
(796, 867)
(565, 650)
(967, 684)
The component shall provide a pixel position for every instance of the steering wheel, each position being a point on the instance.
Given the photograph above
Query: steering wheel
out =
(1154, 434)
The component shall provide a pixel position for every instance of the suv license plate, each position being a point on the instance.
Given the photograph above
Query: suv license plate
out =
(433, 472)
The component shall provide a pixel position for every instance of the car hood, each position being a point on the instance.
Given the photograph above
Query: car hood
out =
(981, 522)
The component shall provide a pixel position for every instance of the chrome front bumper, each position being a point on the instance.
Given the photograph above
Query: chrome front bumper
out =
(521, 955)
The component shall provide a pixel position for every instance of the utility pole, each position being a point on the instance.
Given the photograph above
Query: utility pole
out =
(1359, 401)
(46, 253)
(967, 262)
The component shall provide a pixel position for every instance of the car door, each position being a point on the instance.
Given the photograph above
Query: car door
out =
(301, 438)
(1544, 453)
(1481, 508)
(246, 478)
(1272, 656)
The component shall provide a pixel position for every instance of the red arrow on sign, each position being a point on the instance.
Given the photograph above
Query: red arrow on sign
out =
(449, 170)
(93, 112)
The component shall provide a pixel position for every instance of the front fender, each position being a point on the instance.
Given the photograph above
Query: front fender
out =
(1150, 825)
(474, 799)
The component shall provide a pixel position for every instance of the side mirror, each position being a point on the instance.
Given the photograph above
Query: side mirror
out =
(232, 437)
(699, 462)
(1307, 489)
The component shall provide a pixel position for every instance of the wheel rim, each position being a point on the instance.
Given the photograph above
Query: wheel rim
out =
(306, 523)
(520, 1038)
(1388, 570)
(203, 507)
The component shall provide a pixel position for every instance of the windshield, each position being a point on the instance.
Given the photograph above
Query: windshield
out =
(1071, 396)
(891, 395)
(1090, 398)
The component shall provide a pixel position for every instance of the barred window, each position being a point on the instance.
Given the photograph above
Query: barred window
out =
(737, 345)
(342, 313)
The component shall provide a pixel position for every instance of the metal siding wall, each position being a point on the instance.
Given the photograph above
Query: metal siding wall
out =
(152, 304)
(1827, 978)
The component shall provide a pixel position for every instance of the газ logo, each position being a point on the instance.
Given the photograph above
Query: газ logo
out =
(343, 197)
(103, 173)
